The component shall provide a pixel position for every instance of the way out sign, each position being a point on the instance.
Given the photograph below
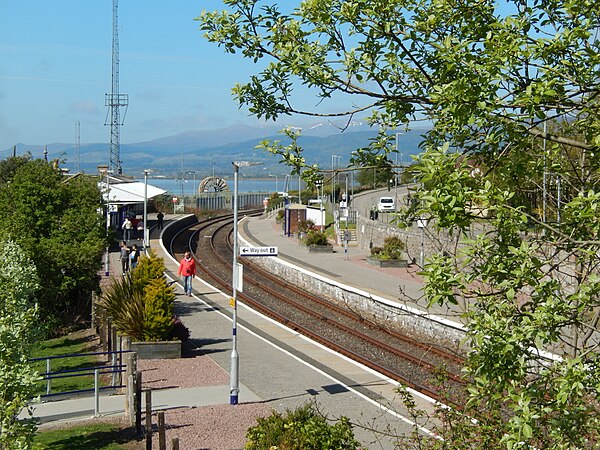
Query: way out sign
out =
(258, 251)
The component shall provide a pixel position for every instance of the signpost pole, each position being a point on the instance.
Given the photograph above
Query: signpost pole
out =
(235, 363)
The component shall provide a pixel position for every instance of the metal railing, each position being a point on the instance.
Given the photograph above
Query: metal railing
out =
(115, 369)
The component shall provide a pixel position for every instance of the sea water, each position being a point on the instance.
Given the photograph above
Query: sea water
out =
(189, 187)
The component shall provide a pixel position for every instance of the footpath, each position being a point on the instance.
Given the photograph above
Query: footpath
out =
(83, 407)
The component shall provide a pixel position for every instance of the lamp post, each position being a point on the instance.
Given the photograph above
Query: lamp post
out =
(107, 171)
(422, 224)
(333, 174)
(319, 184)
(235, 359)
(146, 234)
(192, 172)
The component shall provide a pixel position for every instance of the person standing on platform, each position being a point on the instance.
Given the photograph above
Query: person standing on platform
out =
(134, 256)
(159, 217)
(127, 226)
(134, 225)
(187, 269)
(124, 255)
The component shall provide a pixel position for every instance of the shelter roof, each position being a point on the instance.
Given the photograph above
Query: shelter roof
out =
(127, 192)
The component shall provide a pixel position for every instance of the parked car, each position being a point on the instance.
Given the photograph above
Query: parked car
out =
(386, 204)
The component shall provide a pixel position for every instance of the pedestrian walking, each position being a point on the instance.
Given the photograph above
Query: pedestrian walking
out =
(127, 227)
(187, 269)
(140, 229)
(159, 217)
(134, 256)
(124, 255)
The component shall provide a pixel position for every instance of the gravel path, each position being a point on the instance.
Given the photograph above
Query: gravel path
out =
(216, 427)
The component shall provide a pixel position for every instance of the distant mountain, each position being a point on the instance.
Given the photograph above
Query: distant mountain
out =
(208, 150)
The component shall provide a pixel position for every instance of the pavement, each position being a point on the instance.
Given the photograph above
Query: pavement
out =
(279, 366)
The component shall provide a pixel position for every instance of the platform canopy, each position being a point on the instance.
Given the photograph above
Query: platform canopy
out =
(124, 193)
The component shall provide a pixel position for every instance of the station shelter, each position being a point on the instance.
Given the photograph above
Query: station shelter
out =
(125, 197)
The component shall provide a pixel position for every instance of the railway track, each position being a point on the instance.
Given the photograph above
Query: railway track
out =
(402, 358)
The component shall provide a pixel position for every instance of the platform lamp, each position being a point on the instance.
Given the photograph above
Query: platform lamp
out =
(105, 170)
(235, 284)
(146, 233)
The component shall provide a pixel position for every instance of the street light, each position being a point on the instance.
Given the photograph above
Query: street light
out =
(146, 234)
(333, 166)
(193, 172)
(320, 184)
(235, 359)
(107, 171)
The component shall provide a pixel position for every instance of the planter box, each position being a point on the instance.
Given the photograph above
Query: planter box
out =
(319, 248)
(157, 350)
(387, 262)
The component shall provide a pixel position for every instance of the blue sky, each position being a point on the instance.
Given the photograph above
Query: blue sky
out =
(55, 68)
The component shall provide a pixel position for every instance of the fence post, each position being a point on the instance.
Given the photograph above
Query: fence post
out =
(114, 369)
(162, 442)
(96, 393)
(130, 400)
(138, 403)
(148, 419)
(175, 443)
(48, 380)
(130, 372)
(108, 344)
(114, 346)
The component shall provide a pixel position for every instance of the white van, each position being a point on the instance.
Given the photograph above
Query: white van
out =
(386, 204)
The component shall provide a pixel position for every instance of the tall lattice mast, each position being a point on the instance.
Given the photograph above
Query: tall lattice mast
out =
(115, 100)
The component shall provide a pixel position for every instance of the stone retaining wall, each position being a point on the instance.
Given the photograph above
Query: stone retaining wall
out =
(375, 308)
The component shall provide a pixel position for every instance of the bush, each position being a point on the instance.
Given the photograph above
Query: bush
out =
(393, 248)
(315, 237)
(302, 429)
(123, 302)
(158, 311)
(376, 251)
(305, 226)
(140, 304)
(150, 267)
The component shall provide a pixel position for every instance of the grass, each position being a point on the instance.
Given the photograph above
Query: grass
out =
(109, 436)
(71, 344)
(102, 436)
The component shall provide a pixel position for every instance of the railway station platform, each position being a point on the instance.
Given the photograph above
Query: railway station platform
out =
(277, 365)
(345, 265)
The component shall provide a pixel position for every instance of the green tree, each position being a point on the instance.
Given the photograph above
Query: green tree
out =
(19, 286)
(55, 221)
(509, 175)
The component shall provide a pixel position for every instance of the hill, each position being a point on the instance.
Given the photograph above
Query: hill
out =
(209, 151)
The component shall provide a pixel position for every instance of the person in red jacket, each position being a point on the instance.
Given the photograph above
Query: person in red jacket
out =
(187, 269)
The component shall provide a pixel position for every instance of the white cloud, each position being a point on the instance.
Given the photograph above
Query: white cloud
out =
(84, 107)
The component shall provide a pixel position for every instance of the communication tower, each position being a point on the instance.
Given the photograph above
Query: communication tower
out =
(115, 100)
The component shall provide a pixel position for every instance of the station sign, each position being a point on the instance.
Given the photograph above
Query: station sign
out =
(258, 251)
